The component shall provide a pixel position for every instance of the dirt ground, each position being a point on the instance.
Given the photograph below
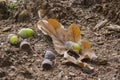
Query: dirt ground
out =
(16, 64)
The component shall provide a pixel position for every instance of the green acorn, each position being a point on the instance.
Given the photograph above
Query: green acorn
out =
(13, 39)
(26, 32)
(72, 45)
(76, 46)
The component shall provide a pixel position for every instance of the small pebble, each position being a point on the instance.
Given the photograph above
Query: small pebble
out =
(60, 75)
(103, 62)
(71, 74)
(87, 70)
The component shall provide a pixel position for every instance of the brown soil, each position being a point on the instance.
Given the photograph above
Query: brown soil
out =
(16, 64)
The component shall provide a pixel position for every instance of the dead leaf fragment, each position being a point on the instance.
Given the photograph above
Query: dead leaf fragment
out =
(86, 50)
(53, 31)
(6, 29)
(85, 44)
(76, 61)
(54, 23)
(74, 33)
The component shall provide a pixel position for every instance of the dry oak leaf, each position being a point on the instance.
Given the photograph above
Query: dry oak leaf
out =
(85, 53)
(59, 34)
(74, 33)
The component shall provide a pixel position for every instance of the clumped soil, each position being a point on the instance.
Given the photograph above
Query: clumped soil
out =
(16, 64)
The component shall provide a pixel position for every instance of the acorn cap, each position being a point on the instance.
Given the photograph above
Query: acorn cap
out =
(49, 55)
(69, 44)
(10, 35)
(24, 45)
(47, 64)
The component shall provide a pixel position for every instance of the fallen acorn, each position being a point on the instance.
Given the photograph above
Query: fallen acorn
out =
(72, 45)
(25, 45)
(13, 39)
(47, 64)
(26, 32)
(49, 55)
(76, 46)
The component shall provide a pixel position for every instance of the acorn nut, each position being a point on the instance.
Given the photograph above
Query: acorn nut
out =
(72, 45)
(26, 32)
(76, 46)
(47, 64)
(49, 55)
(12, 39)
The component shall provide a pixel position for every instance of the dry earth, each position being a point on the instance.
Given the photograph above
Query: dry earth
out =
(16, 64)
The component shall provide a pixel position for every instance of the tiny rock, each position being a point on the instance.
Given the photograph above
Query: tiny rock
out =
(71, 74)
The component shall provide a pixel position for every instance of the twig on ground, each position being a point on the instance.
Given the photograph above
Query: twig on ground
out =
(113, 27)
(101, 24)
